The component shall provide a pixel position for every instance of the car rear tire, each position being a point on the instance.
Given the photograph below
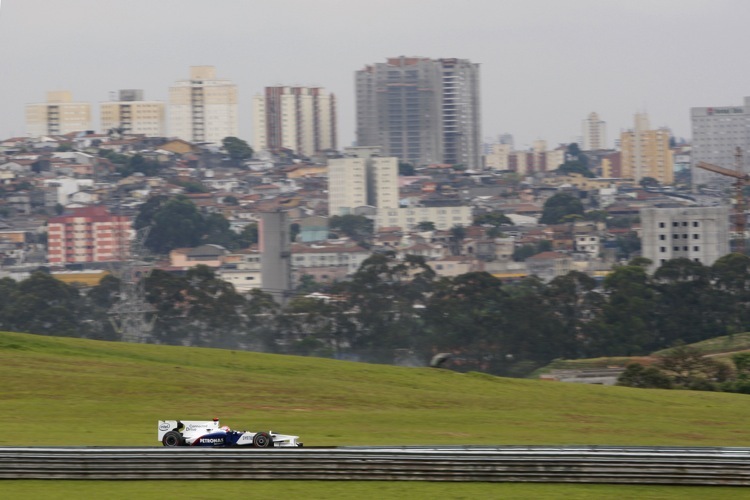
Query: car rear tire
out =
(262, 440)
(172, 438)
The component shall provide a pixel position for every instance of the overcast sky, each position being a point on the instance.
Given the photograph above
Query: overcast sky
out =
(545, 64)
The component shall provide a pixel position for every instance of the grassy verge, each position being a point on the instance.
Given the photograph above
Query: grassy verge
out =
(59, 391)
(334, 490)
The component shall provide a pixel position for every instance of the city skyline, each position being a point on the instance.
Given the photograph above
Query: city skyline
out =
(545, 65)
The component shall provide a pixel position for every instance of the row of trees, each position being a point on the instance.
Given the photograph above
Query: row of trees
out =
(391, 307)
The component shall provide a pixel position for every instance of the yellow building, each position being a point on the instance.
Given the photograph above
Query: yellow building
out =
(646, 153)
(84, 278)
(203, 108)
(58, 116)
(131, 114)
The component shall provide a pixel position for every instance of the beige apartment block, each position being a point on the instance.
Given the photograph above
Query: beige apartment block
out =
(59, 115)
(499, 157)
(347, 185)
(646, 153)
(203, 108)
(131, 114)
(594, 133)
(302, 119)
(408, 218)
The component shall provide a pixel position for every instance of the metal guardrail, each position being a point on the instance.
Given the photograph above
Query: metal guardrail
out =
(580, 464)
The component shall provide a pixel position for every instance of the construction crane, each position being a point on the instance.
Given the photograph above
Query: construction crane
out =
(741, 180)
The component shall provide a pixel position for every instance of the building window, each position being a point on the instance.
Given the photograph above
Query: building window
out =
(676, 249)
(695, 249)
(675, 224)
(661, 224)
(696, 236)
(662, 237)
(662, 249)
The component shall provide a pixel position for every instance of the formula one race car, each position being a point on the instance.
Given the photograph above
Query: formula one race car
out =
(209, 433)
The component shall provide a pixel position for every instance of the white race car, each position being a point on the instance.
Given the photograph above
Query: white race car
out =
(210, 433)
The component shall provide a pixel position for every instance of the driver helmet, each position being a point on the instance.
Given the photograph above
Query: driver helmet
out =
(225, 428)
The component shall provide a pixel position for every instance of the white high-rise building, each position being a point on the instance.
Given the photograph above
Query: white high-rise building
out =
(203, 108)
(717, 133)
(58, 116)
(362, 179)
(347, 185)
(302, 119)
(131, 114)
(365, 179)
(594, 133)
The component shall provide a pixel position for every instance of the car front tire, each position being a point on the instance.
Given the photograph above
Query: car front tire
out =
(262, 440)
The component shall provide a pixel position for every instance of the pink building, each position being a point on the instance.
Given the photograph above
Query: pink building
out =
(88, 234)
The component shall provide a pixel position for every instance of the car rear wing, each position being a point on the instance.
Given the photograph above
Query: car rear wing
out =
(199, 427)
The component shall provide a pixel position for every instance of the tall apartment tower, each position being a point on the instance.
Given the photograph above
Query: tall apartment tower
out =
(362, 179)
(717, 132)
(700, 234)
(421, 110)
(594, 133)
(203, 108)
(131, 114)
(302, 119)
(59, 115)
(646, 152)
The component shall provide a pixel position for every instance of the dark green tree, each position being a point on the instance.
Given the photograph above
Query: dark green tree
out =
(575, 167)
(559, 206)
(198, 309)
(176, 223)
(218, 232)
(426, 226)
(357, 227)
(43, 305)
(379, 315)
(627, 245)
(596, 215)
(406, 169)
(495, 219)
(637, 375)
(138, 164)
(574, 301)
(688, 309)
(466, 316)
(237, 149)
(248, 236)
(627, 325)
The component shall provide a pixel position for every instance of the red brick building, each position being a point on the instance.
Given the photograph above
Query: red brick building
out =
(88, 234)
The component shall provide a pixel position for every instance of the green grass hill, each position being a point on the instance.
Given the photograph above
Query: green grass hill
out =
(721, 348)
(64, 391)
